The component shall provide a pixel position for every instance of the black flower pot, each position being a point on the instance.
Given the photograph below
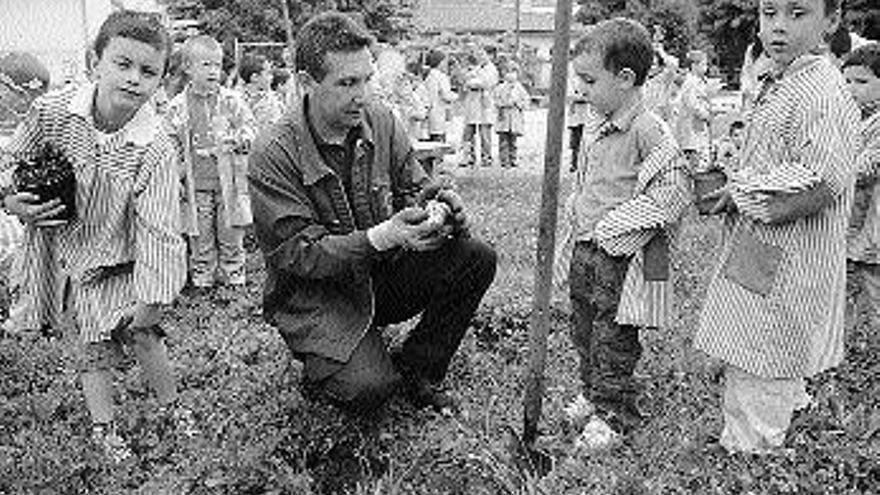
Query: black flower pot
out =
(48, 173)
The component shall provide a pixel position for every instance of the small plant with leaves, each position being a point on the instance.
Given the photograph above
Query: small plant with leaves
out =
(48, 173)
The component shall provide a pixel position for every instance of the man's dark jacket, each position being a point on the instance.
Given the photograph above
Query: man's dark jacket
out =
(318, 290)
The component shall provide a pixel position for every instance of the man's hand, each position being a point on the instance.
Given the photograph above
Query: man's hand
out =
(409, 229)
(457, 217)
(28, 208)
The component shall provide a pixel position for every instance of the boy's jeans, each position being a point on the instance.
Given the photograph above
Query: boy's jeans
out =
(216, 243)
(608, 351)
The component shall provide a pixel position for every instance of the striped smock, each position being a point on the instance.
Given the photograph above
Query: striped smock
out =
(864, 235)
(631, 187)
(792, 326)
(124, 247)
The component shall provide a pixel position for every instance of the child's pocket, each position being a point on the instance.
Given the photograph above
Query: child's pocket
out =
(752, 263)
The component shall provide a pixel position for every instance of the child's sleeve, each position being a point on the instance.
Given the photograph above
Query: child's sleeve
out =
(446, 92)
(244, 119)
(824, 147)
(663, 199)
(522, 97)
(160, 255)
(27, 137)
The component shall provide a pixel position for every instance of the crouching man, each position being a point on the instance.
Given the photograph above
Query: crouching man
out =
(339, 203)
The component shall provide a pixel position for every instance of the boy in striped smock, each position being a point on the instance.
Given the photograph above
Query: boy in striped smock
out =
(121, 258)
(774, 309)
(630, 187)
(862, 72)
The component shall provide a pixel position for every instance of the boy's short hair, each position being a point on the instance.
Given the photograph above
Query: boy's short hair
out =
(865, 56)
(736, 125)
(138, 26)
(250, 65)
(328, 32)
(279, 78)
(199, 41)
(622, 43)
(434, 58)
(695, 57)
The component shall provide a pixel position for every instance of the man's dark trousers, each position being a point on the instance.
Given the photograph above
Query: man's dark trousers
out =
(445, 286)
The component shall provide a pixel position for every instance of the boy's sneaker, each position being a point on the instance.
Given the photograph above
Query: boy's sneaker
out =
(597, 435)
(579, 411)
(111, 444)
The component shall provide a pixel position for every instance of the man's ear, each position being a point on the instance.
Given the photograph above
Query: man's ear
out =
(305, 80)
(627, 77)
(93, 63)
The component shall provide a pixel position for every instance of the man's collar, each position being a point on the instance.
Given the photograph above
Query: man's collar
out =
(622, 119)
(312, 166)
(139, 130)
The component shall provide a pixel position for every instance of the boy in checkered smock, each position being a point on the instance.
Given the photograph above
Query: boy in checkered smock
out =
(120, 258)
(630, 187)
(862, 71)
(774, 309)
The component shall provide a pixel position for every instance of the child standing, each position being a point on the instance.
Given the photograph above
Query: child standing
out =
(631, 188)
(440, 95)
(479, 110)
(862, 72)
(774, 309)
(122, 255)
(213, 129)
(696, 111)
(265, 105)
(511, 101)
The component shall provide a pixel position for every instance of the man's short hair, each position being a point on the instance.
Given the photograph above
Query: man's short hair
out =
(622, 44)
(325, 33)
(279, 78)
(199, 41)
(250, 65)
(865, 56)
(138, 26)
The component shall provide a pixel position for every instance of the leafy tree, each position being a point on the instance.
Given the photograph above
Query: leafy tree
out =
(263, 20)
(729, 25)
(863, 17)
(678, 18)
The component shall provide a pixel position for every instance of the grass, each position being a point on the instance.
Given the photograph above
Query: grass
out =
(261, 437)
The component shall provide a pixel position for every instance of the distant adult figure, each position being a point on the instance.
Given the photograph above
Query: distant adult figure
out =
(440, 95)
(479, 108)
(339, 212)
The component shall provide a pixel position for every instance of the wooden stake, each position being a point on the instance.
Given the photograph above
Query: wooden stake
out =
(540, 321)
